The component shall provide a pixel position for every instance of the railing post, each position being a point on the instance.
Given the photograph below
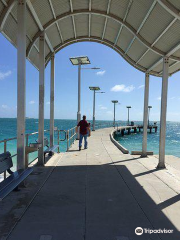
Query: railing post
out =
(27, 140)
(5, 150)
(67, 136)
(58, 141)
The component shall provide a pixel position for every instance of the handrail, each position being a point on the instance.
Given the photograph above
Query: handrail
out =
(69, 136)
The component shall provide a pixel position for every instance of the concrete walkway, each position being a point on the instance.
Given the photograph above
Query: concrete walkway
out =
(101, 194)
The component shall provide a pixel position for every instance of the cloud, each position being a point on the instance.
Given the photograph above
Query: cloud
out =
(141, 86)
(122, 88)
(171, 98)
(103, 108)
(109, 112)
(4, 106)
(32, 102)
(48, 103)
(3, 75)
(101, 73)
(159, 98)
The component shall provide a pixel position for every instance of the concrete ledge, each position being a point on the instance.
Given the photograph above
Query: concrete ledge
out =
(118, 145)
(140, 153)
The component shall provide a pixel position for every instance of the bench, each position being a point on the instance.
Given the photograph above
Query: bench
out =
(11, 182)
(49, 150)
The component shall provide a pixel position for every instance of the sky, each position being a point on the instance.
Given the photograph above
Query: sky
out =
(117, 78)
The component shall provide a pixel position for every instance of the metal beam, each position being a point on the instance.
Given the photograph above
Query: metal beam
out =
(73, 21)
(142, 24)
(157, 39)
(21, 82)
(162, 137)
(168, 54)
(90, 4)
(52, 8)
(105, 23)
(124, 19)
(57, 25)
(105, 42)
(4, 2)
(174, 12)
(41, 98)
(35, 16)
(170, 8)
(104, 14)
(6, 12)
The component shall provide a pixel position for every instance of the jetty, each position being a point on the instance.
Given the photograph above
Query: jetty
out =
(99, 193)
(134, 129)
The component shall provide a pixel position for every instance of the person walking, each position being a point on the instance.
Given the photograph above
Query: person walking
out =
(84, 132)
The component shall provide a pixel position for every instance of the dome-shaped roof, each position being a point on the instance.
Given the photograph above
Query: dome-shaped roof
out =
(142, 32)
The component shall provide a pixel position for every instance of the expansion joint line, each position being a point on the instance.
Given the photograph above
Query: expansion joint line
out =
(129, 188)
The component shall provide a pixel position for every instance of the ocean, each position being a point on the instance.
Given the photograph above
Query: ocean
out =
(133, 142)
(8, 128)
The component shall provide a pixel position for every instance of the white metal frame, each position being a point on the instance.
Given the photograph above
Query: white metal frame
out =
(41, 97)
(162, 138)
(52, 87)
(21, 83)
(145, 116)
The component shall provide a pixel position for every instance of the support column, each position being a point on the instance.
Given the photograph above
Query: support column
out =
(41, 97)
(145, 118)
(52, 102)
(162, 138)
(94, 100)
(21, 82)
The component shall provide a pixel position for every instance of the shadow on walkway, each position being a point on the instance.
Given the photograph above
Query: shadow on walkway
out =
(91, 202)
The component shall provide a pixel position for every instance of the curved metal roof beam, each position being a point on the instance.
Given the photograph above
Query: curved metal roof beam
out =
(104, 42)
(169, 8)
(104, 14)
(6, 12)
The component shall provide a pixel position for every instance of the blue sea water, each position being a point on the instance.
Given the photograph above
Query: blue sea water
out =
(8, 128)
(133, 142)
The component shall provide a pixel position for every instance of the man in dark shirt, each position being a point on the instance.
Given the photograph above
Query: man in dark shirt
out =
(84, 131)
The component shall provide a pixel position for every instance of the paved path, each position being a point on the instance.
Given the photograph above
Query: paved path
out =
(101, 194)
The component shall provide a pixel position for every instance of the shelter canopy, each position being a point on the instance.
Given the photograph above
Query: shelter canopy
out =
(141, 31)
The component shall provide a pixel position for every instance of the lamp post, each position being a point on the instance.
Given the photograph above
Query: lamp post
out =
(149, 107)
(78, 61)
(95, 89)
(115, 102)
(128, 107)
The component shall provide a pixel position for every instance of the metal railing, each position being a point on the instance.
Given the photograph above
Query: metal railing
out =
(71, 137)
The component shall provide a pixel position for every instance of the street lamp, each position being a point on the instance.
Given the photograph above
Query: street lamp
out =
(128, 107)
(115, 102)
(84, 60)
(95, 89)
(149, 107)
